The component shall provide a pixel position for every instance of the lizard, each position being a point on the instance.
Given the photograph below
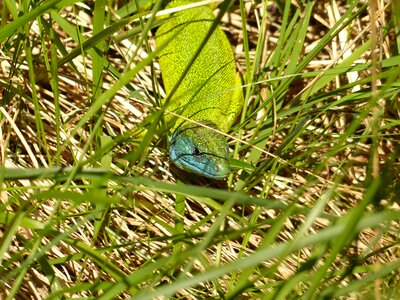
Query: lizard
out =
(209, 94)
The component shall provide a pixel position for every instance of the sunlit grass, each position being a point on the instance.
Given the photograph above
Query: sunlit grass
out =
(91, 206)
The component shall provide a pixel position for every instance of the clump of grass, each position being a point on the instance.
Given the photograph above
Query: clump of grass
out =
(91, 207)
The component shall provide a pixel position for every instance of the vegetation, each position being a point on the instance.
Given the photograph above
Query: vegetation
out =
(92, 208)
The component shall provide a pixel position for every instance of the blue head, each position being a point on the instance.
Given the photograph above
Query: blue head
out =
(200, 150)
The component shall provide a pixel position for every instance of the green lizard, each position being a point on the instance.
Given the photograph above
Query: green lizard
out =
(209, 94)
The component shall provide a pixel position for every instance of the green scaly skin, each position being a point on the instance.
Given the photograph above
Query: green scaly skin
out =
(209, 94)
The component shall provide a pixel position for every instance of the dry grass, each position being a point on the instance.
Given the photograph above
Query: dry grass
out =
(88, 231)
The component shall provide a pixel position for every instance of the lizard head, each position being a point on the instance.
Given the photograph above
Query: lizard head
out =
(200, 150)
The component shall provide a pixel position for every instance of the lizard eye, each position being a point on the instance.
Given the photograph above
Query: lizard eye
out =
(196, 151)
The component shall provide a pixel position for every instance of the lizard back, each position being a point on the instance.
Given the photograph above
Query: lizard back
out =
(210, 90)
